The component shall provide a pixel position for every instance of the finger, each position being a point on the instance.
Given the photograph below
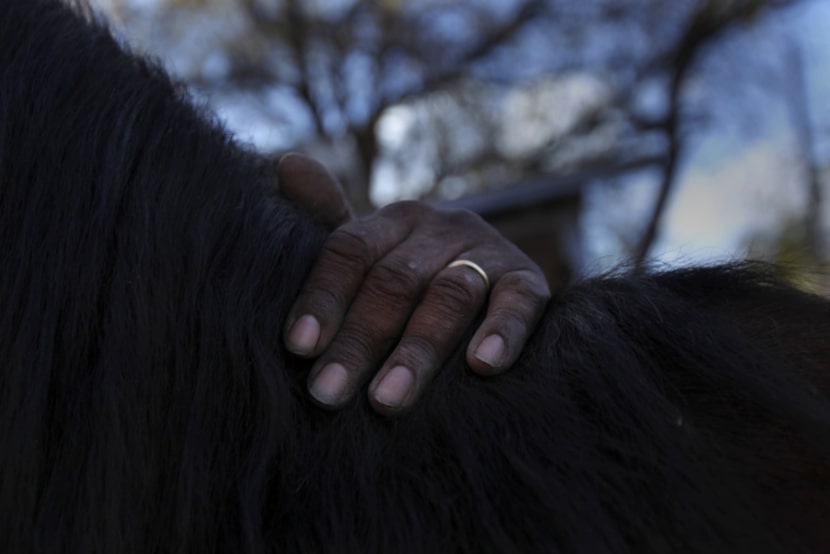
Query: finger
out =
(453, 299)
(373, 324)
(347, 255)
(308, 182)
(378, 315)
(516, 304)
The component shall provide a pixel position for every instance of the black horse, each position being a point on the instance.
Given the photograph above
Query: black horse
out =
(147, 405)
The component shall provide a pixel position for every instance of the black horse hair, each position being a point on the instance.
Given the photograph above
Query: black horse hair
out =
(147, 403)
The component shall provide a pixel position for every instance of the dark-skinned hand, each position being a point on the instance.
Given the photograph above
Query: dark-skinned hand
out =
(383, 298)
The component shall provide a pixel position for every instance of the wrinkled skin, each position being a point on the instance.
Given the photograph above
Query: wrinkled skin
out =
(381, 297)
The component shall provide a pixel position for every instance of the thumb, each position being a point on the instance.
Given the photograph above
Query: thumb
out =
(308, 182)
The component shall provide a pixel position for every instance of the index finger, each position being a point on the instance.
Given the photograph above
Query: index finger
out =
(348, 254)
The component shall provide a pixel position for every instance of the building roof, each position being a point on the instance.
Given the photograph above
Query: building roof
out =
(542, 189)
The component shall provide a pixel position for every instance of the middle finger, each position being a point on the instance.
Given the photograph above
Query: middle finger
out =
(454, 298)
(376, 318)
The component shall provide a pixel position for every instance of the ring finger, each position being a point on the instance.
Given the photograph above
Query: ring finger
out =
(453, 299)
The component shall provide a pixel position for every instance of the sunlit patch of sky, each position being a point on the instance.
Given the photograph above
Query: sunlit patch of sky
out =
(728, 189)
(393, 126)
(251, 128)
(534, 115)
(419, 181)
(718, 206)
(613, 216)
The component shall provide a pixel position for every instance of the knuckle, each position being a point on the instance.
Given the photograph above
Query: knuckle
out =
(374, 324)
(395, 278)
(350, 245)
(509, 321)
(319, 299)
(356, 348)
(528, 285)
(417, 351)
(458, 290)
(468, 222)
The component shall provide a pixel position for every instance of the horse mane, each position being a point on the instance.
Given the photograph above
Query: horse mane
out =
(147, 403)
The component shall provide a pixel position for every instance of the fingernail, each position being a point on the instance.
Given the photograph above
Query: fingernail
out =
(328, 386)
(395, 387)
(491, 351)
(304, 335)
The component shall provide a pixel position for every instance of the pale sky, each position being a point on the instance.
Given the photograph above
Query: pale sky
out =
(728, 187)
(716, 206)
(732, 187)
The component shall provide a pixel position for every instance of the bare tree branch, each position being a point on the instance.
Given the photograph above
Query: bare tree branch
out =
(447, 74)
(712, 20)
(798, 103)
(297, 33)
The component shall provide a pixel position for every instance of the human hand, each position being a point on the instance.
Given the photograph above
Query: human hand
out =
(385, 293)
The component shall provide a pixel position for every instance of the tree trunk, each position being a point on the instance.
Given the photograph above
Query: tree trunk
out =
(358, 186)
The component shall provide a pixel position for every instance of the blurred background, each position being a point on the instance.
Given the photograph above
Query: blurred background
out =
(591, 132)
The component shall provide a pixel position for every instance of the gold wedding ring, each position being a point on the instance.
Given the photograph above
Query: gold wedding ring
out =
(475, 267)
